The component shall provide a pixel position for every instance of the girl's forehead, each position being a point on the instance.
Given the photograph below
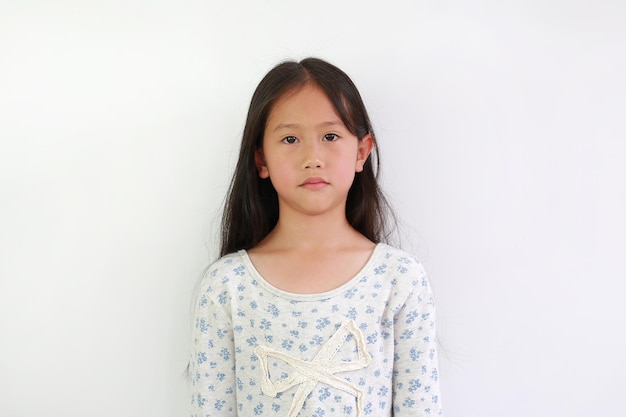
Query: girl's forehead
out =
(308, 103)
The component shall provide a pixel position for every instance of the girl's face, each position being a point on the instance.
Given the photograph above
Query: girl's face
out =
(308, 153)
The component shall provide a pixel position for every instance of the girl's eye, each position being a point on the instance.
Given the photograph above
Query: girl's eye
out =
(290, 139)
(331, 137)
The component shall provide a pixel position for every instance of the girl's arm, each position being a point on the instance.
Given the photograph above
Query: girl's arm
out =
(212, 362)
(416, 376)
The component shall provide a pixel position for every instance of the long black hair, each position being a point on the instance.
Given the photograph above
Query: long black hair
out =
(251, 207)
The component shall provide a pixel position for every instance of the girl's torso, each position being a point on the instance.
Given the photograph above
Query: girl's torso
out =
(277, 337)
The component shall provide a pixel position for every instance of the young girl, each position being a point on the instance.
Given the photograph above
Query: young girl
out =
(307, 312)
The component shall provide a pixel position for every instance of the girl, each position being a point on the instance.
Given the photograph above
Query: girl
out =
(307, 312)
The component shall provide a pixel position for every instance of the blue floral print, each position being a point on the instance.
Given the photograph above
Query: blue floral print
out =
(391, 305)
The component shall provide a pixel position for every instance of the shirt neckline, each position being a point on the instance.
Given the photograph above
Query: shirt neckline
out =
(309, 296)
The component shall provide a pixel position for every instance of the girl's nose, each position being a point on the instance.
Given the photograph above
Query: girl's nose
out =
(313, 156)
(313, 163)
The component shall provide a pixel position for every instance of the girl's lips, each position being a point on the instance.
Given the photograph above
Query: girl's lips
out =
(314, 183)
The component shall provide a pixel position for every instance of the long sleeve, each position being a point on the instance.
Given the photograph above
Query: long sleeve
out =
(212, 361)
(415, 376)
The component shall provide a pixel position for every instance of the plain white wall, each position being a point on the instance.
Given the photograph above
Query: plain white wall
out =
(501, 126)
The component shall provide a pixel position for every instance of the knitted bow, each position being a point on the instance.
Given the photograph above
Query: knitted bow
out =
(321, 369)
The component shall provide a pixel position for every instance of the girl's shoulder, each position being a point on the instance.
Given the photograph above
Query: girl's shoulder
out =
(222, 272)
(226, 262)
(404, 262)
(402, 269)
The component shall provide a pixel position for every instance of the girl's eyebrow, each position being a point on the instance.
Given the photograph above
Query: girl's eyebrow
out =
(284, 126)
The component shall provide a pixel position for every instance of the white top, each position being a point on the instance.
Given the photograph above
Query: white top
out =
(365, 348)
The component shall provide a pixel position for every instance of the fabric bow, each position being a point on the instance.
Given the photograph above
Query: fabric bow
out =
(321, 369)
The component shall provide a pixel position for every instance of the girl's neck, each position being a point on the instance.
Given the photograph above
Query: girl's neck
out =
(312, 233)
(311, 254)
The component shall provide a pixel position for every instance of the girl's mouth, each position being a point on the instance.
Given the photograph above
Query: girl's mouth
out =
(314, 183)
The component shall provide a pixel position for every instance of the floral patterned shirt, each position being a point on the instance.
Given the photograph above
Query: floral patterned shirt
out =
(365, 348)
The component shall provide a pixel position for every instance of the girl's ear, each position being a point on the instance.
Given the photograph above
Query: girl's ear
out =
(366, 144)
(259, 160)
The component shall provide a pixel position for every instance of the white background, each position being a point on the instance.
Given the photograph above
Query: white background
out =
(502, 130)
